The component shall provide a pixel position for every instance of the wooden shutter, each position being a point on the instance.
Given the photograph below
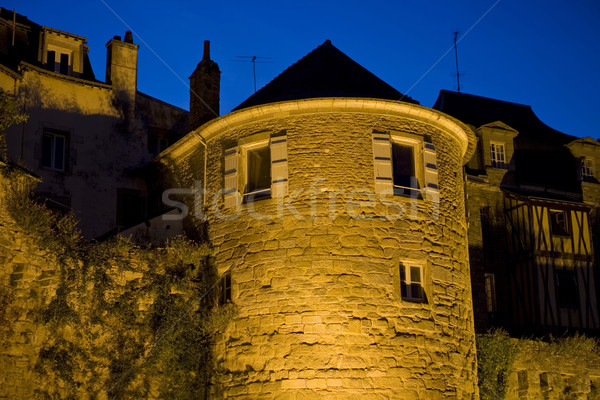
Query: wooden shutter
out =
(279, 165)
(431, 188)
(382, 162)
(231, 194)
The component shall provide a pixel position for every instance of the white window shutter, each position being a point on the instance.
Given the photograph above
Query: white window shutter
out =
(231, 194)
(279, 165)
(382, 161)
(431, 189)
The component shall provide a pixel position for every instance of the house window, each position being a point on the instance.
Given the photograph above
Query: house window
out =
(54, 150)
(490, 292)
(405, 166)
(403, 170)
(225, 288)
(255, 170)
(559, 223)
(498, 155)
(61, 65)
(567, 292)
(587, 170)
(411, 283)
(258, 171)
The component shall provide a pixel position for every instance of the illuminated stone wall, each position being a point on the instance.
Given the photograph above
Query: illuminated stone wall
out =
(317, 288)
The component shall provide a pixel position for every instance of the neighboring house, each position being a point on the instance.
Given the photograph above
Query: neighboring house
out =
(533, 204)
(85, 138)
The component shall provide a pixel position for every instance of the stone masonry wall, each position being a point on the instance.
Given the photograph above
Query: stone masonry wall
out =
(546, 371)
(317, 287)
(84, 320)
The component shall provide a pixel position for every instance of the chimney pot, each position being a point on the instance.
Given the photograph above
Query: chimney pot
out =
(128, 37)
(206, 55)
(117, 37)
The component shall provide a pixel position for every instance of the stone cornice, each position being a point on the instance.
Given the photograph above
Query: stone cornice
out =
(464, 135)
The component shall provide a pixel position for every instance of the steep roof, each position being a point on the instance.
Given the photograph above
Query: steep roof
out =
(324, 72)
(478, 110)
(541, 159)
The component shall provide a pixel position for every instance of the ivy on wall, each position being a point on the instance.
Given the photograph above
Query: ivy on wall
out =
(124, 321)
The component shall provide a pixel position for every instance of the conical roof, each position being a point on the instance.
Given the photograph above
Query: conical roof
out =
(324, 72)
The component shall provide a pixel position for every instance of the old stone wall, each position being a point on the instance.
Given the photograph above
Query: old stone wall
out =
(315, 277)
(105, 320)
(566, 369)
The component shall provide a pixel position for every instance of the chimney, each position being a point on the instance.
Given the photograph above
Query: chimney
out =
(121, 71)
(205, 85)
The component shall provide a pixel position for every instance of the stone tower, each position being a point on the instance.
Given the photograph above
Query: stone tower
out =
(205, 86)
(339, 230)
(121, 71)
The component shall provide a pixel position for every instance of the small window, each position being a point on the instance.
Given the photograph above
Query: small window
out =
(567, 291)
(64, 64)
(403, 165)
(490, 292)
(225, 288)
(258, 172)
(51, 60)
(411, 283)
(498, 155)
(54, 150)
(587, 170)
(559, 223)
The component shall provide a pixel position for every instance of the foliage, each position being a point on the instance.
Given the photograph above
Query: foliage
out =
(124, 321)
(576, 346)
(495, 356)
(10, 114)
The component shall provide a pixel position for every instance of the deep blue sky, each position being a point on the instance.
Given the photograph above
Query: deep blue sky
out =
(544, 53)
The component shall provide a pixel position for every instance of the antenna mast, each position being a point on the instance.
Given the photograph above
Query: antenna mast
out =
(456, 58)
(253, 60)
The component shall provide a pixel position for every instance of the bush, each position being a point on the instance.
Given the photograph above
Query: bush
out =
(495, 356)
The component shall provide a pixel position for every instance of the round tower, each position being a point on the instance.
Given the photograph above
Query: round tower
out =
(339, 229)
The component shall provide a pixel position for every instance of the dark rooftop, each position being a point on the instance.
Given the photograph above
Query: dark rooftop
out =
(541, 160)
(324, 72)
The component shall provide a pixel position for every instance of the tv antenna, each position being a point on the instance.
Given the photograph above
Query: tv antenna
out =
(456, 58)
(254, 60)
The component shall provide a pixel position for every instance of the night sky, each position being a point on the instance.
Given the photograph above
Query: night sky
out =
(542, 53)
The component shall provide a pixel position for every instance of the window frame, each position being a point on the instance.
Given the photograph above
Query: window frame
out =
(564, 232)
(225, 288)
(587, 169)
(494, 159)
(65, 151)
(407, 282)
(491, 303)
(415, 146)
(264, 194)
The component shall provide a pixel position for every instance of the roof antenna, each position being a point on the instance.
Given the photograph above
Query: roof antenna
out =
(456, 58)
(253, 60)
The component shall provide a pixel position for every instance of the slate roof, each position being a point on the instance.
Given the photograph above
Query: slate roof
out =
(543, 165)
(324, 72)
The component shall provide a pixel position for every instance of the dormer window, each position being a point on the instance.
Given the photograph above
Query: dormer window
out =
(497, 153)
(57, 62)
(587, 170)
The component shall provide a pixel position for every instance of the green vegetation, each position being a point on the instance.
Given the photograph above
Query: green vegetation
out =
(126, 321)
(495, 356)
(10, 114)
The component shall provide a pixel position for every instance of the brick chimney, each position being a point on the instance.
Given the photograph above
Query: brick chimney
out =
(205, 85)
(121, 71)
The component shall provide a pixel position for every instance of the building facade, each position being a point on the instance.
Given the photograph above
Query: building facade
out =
(85, 138)
(532, 205)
